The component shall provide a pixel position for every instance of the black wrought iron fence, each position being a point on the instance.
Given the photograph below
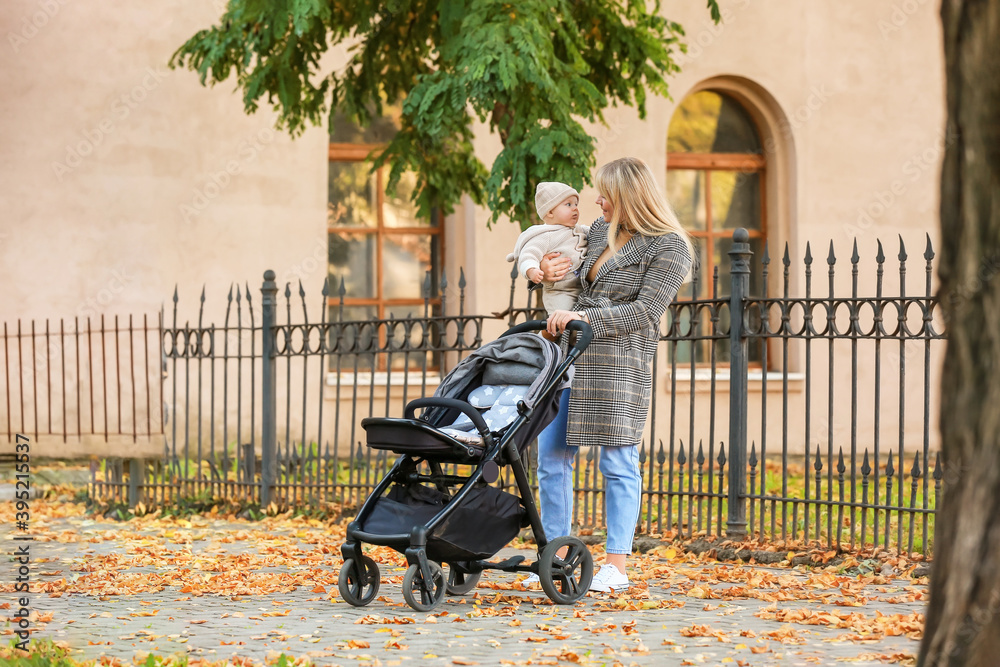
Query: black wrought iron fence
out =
(91, 378)
(769, 414)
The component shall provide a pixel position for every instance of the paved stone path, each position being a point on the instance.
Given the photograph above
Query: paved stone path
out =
(462, 630)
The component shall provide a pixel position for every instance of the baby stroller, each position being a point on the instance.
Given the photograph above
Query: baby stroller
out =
(436, 518)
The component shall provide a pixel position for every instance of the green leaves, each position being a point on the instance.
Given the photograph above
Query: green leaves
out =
(530, 70)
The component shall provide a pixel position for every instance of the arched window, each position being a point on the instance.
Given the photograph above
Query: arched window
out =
(715, 181)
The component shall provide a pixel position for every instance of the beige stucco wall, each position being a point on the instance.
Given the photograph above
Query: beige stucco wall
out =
(122, 179)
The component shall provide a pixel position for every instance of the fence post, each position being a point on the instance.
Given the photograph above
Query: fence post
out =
(135, 481)
(736, 521)
(268, 412)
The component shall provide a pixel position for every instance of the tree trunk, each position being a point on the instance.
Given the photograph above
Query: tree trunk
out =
(963, 617)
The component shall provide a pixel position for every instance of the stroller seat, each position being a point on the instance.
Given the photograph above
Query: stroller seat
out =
(499, 406)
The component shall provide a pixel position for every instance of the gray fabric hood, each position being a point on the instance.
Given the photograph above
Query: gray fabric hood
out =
(509, 356)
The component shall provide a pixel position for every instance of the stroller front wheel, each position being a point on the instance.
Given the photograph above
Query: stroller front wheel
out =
(565, 580)
(421, 595)
(358, 583)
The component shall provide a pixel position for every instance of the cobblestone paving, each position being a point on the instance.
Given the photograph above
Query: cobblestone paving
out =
(317, 623)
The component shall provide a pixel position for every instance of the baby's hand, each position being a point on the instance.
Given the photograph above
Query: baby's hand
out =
(534, 275)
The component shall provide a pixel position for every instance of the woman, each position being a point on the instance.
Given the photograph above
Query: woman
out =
(639, 255)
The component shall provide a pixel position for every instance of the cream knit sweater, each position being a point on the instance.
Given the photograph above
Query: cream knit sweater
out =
(536, 241)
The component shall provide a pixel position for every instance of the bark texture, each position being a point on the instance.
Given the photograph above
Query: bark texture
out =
(963, 617)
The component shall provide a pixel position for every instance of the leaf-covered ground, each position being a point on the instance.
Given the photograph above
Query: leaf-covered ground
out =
(212, 588)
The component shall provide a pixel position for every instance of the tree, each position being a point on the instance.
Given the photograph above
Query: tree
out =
(963, 618)
(531, 70)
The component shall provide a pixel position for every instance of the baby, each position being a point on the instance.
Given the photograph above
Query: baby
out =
(556, 204)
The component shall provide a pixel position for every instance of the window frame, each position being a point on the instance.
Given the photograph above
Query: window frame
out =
(358, 153)
(745, 163)
(361, 153)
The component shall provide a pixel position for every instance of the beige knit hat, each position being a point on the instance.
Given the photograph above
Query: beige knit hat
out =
(548, 194)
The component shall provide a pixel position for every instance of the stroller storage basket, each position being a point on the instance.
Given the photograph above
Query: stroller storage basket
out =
(481, 525)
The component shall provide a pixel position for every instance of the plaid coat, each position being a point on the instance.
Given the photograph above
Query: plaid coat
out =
(611, 391)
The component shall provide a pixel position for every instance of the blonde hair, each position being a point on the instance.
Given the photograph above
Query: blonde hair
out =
(630, 187)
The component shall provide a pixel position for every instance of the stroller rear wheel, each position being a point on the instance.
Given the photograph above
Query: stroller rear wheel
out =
(421, 595)
(358, 583)
(460, 583)
(565, 580)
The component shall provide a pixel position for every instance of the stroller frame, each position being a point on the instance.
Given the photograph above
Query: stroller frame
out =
(565, 578)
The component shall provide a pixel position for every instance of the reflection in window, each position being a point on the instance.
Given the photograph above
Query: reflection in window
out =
(378, 246)
(715, 179)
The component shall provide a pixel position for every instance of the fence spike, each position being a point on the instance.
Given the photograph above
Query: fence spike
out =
(461, 278)
(929, 250)
(425, 289)
(818, 463)
(513, 271)
(288, 291)
(681, 458)
(175, 294)
(866, 468)
(753, 454)
(701, 455)
(831, 259)
(766, 259)
(880, 257)
(661, 456)
(915, 471)
(902, 249)
(444, 282)
(855, 258)
(229, 303)
(246, 286)
(808, 259)
(786, 260)
(302, 296)
(890, 469)
(721, 458)
(642, 455)
(938, 473)
(841, 468)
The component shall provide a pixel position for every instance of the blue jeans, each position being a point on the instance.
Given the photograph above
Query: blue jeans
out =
(623, 483)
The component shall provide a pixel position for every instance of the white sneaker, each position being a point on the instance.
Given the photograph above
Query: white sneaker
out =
(531, 580)
(609, 579)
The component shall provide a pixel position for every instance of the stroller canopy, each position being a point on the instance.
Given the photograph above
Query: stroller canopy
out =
(522, 359)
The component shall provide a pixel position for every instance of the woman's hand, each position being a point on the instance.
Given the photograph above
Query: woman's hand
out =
(558, 320)
(554, 267)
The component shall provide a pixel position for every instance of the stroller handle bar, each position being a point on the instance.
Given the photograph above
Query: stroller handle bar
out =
(582, 341)
(465, 408)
